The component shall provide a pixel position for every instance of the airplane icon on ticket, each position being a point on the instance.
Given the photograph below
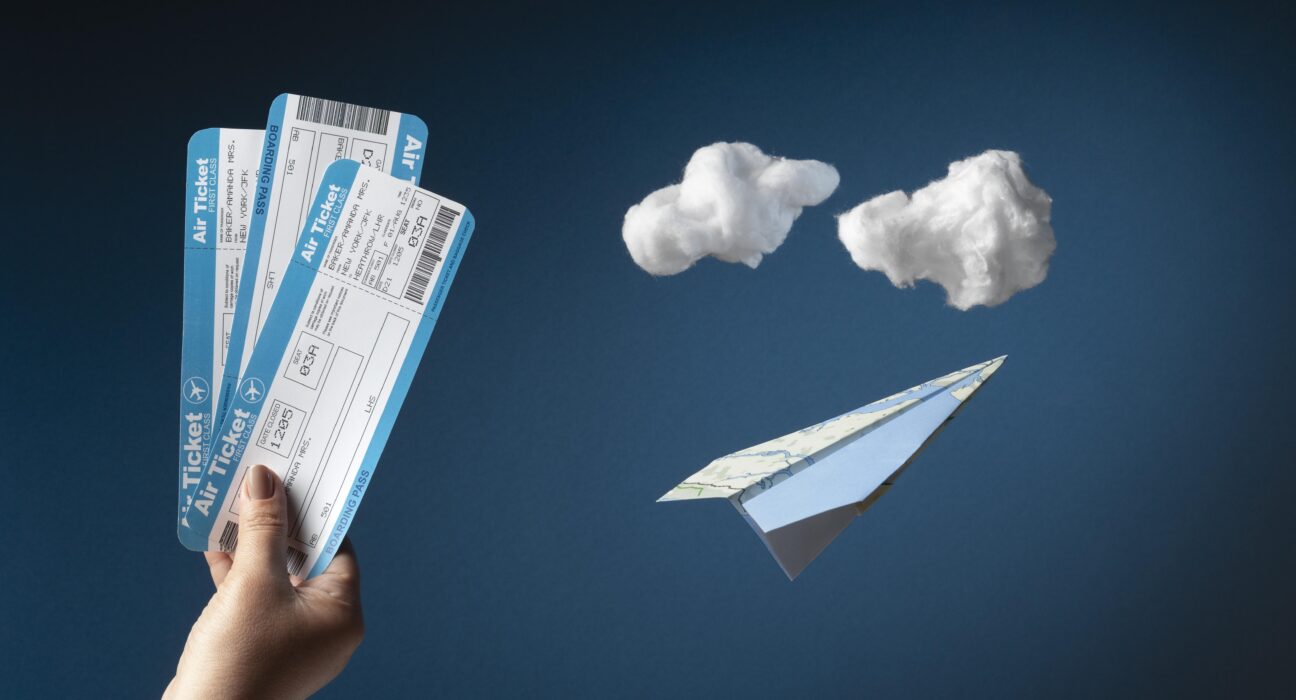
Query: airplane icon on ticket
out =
(195, 390)
(253, 389)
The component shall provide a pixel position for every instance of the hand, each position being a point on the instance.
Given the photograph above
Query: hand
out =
(264, 633)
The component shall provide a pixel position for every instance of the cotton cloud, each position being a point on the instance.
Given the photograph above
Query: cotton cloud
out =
(982, 233)
(735, 203)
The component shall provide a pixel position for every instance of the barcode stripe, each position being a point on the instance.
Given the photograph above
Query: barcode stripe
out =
(296, 558)
(229, 537)
(430, 256)
(341, 114)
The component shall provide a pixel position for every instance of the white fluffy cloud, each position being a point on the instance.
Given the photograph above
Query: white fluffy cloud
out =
(982, 233)
(735, 203)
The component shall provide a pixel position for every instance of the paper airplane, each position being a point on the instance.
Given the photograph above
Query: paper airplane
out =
(799, 491)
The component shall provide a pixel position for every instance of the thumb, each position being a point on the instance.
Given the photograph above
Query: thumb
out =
(263, 527)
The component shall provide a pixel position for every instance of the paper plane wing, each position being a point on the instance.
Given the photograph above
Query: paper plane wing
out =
(799, 491)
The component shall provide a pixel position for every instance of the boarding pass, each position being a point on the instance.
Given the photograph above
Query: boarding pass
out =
(218, 209)
(316, 403)
(303, 136)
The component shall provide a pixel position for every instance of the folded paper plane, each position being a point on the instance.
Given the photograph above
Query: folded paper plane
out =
(799, 491)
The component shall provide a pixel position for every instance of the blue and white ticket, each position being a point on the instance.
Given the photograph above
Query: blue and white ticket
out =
(303, 136)
(355, 309)
(218, 209)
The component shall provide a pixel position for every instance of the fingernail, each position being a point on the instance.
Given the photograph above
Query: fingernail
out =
(260, 483)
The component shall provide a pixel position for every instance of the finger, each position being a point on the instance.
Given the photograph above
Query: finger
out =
(219, 565)
(262, 539)
(342, 577)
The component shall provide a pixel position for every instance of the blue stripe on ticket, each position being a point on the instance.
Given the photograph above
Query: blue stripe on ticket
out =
(199, 282)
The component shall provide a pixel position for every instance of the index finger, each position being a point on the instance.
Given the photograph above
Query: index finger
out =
(219, 564)
(342, 577)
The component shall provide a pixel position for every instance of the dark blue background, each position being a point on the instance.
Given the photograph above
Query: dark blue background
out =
(1109, 517)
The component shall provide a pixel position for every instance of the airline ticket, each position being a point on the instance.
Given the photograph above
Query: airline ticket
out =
(218, 208)
(303, 136)
(316, 402)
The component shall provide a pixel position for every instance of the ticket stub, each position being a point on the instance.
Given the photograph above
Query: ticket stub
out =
(218, 208)
(303, 136)
(316, 403)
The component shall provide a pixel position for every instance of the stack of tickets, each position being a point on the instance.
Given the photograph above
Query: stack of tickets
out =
(314, 272)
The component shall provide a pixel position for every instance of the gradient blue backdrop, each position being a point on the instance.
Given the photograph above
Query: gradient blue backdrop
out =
(1110, 516)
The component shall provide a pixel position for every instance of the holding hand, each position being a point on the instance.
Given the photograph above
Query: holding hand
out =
(264, 633)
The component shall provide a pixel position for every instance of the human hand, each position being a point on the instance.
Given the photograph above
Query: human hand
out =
(264, 633)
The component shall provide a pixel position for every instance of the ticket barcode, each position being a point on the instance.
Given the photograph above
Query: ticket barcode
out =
(341, 114)
(296, 558)
(229, 537)
(430, 256)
